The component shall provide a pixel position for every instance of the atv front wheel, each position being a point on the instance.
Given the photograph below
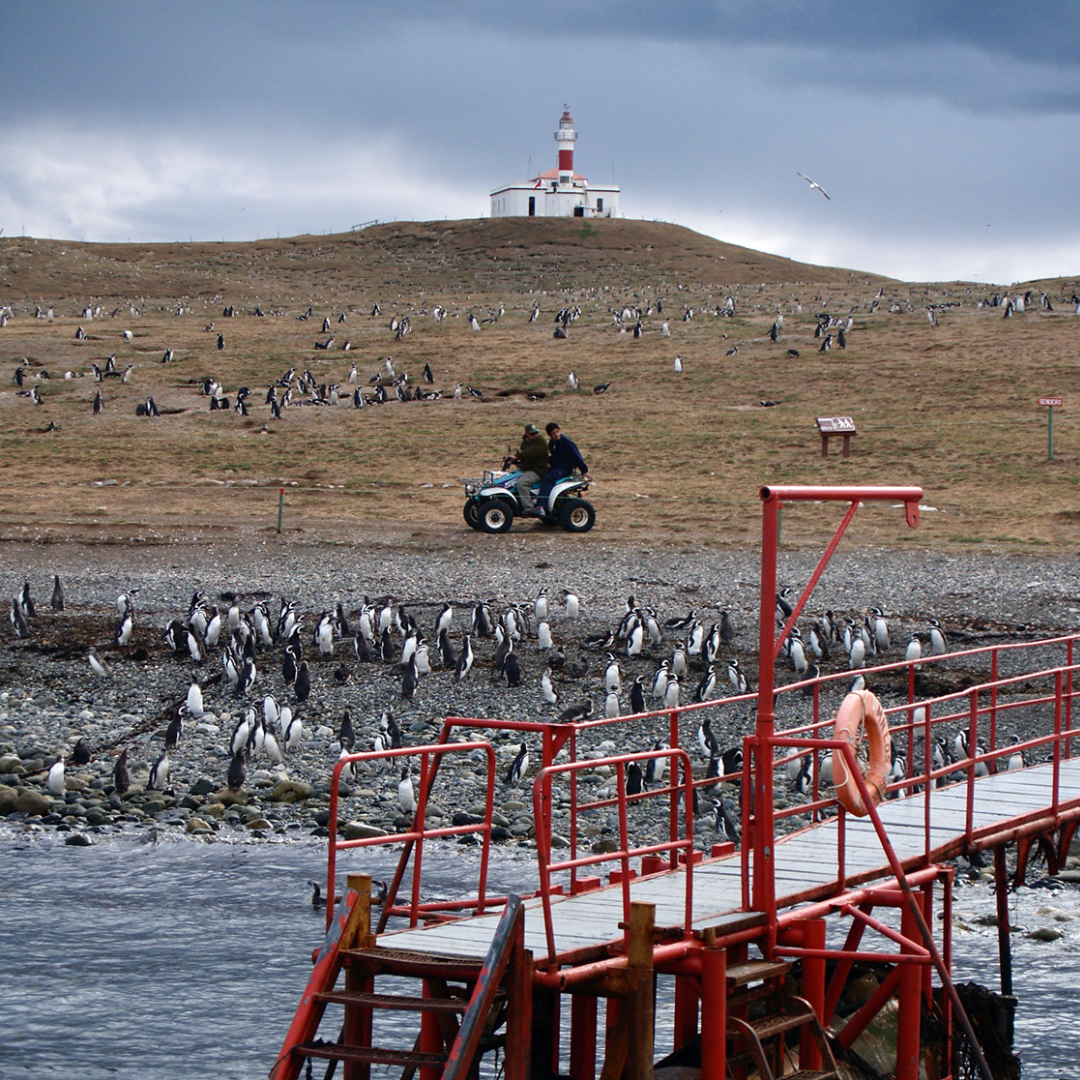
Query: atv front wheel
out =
(471, 513)
(577, 515)
(495, 515)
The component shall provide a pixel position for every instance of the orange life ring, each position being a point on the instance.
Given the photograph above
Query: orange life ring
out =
(861, 707)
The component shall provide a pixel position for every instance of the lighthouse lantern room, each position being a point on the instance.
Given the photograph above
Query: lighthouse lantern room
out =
(559, 192)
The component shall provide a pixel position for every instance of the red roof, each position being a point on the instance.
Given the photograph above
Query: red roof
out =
(554, 174)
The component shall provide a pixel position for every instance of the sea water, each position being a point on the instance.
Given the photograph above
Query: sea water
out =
(181, 960)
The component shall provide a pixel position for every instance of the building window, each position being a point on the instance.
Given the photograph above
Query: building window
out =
(599, 206)
(532, 206)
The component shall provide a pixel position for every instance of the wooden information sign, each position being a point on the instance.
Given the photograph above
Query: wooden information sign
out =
(833, 427)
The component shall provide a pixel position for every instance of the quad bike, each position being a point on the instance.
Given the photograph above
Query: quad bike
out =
(492, 503)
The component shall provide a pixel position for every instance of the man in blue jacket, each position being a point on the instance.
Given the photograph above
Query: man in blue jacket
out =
(565, 458)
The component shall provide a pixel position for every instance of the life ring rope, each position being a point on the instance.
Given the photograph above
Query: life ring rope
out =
(861, 708)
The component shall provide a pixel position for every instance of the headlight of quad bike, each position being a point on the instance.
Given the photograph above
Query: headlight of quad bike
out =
(471, 489)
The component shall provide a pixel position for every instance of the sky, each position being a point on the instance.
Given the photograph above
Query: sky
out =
(946, 133)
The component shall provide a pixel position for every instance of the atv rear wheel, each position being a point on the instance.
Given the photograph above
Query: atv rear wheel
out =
(495, 515)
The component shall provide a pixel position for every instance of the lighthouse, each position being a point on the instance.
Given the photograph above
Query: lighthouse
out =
(559, 192)
(565, 138)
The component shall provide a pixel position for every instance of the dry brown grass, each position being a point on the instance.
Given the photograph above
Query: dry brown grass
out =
(678, 458)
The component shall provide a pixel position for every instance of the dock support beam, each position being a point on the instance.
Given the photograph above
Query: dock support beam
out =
(713, 1014)
(1001, 887)
(909, 996)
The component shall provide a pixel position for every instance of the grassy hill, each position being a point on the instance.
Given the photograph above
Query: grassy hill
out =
(678, 458)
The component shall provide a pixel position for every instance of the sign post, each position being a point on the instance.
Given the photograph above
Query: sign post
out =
(1050, 403)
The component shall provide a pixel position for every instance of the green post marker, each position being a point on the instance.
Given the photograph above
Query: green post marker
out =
(1050, 403)
(280, 508)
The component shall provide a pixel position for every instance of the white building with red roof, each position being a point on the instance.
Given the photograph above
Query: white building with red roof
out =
(559, 192)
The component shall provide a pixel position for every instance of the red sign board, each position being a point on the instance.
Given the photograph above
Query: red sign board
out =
(1051, 401)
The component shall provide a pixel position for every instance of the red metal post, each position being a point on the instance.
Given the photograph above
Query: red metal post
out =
(583, 1037)
(713, 1014)
(813, 989)
(430, 1037)
(764, 886)
(686, 1011)
(907, 1022)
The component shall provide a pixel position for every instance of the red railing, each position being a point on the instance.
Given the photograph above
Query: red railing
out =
(672, 847)
(419, 831)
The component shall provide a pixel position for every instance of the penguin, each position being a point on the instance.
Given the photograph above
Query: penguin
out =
(445, 619)
(120, 777)
(679, 664)
(727, 628)
(465, 660)
(293, 733)
(55, 778)
(302, 688)
(18, 620)
(635, 643)
(512, 669)
(707, 687)
(1016, 759)
(80, 753)
(194, 700)
(26, 601)
(543, 636)
(671, 692)
(99, 667)
(736, 676)
(550, 696)
(175, 731)
(914, 649)
(656, 767)
(725, 822)
(324, 636)
(159, 773)
(237, 773)
(346, 732)
(576, 713)
(707, 739)
(362, 649)
(405, 793)
(318, 901)
(57, 594)
(635, 779)
(637, 695)
(660, 681)
(518, 766)
(241, 732)
(572, 605)
(881, 630)
(540, 604)
(938, 643)
(819, 642)
(612, 675)
(272, 746)
(857, 656)
(611, 705)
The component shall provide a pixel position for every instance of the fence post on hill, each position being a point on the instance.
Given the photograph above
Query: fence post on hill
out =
(280, 507)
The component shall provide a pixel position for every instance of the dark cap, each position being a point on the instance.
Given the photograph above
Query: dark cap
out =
(531, 429)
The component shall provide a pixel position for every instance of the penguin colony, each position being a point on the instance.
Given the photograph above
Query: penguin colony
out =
(275, 668)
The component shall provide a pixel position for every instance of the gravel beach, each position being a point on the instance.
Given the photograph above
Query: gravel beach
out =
(50, 697)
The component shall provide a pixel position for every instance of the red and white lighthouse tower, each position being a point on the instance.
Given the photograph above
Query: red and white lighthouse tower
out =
(558, 192)
(565, 138)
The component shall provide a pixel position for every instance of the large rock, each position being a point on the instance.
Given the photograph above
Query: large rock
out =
(359, 830)
(33, 802)
(9, 796)
(225, 797)
(290, 791)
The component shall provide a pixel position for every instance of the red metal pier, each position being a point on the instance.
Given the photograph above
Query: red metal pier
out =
(569, 971)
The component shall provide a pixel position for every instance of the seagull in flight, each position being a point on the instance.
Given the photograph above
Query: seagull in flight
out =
(814, 184)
